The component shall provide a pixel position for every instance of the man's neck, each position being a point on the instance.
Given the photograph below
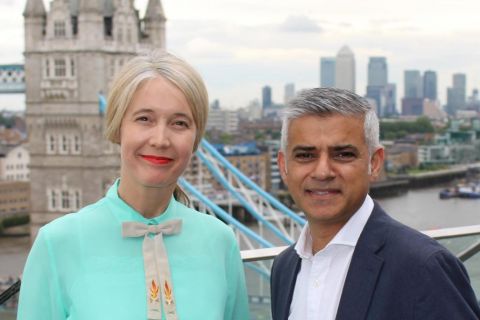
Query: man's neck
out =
(322, 234)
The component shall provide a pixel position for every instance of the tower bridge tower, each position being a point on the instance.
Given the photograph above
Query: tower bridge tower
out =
(71, 53)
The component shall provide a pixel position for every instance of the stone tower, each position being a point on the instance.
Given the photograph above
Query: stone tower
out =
(72, 52)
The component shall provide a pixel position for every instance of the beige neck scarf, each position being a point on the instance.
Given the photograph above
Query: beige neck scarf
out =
(157, 270)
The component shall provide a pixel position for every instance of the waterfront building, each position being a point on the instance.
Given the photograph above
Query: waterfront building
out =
(327, 72)
(12, 78)
(14, 163)
(412, 106)
(71, 54)
(345, 69)
(430, 85)
(266, 97)
(14, 198)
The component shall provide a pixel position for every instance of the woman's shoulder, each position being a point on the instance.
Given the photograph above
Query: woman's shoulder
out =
(204, 221)
(67, 224)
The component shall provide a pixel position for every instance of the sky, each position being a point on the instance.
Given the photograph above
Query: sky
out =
(239, 46)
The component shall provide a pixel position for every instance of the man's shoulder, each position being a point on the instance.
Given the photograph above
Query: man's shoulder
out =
(402, 239)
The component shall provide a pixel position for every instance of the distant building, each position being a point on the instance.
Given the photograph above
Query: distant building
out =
(377, 82)
(14, 163)
(71, 55)
(413, 84)
(412, 106)
(456, 95)
(14, 198)
(327, 72)
(266, 97)
(289, 92)
(12, 78)
(223, 120)
(345, 69)
(377, 71)
(430, 85)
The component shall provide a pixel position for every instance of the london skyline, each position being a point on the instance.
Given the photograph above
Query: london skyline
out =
(239, 47)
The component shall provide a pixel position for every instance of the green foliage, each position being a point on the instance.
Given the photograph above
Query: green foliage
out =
(400, 129)
(8, 122)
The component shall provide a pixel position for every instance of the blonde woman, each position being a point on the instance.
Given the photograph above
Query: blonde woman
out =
(140, 252)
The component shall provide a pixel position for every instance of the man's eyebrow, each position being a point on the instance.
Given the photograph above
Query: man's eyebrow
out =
(303, 148)
(343, 147)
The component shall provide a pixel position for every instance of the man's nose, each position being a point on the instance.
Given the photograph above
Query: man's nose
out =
(323, 169)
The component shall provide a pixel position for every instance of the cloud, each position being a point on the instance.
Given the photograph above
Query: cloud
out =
(300, 23)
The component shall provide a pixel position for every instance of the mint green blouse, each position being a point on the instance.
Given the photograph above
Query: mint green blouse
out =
(80, 267)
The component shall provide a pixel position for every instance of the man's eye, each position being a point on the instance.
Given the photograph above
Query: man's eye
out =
(346, 155)
(304, 156)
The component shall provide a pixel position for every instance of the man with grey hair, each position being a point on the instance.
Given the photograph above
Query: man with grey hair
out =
(352, 261)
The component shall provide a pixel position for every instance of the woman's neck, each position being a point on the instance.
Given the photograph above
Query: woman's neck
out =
(149, 201)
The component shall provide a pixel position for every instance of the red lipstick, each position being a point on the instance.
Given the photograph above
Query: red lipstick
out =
(156, 160)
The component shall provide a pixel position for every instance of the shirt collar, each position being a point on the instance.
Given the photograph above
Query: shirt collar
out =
(124, 212)
(347, 236)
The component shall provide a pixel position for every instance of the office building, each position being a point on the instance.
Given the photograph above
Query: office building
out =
(289, 92)
(267, 97)
(327, 72)
(413, 84)
(430, 85)
(345, 69)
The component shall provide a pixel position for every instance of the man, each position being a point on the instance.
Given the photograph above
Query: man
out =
(353, 261)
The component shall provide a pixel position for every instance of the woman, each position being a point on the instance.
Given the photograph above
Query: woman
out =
(140, 252)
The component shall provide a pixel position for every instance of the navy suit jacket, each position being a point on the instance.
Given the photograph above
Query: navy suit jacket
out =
(396, 273)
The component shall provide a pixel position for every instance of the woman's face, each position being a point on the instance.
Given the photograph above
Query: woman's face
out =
(157, 135)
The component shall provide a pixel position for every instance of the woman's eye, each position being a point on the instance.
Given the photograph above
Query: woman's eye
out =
(181, 123)
(141, 119)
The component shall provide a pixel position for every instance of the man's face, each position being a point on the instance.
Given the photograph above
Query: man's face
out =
(326, 167)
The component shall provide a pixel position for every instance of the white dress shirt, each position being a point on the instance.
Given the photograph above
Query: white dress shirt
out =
(321, 277)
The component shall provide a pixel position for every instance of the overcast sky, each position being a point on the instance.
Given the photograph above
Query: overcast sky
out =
(241, 45)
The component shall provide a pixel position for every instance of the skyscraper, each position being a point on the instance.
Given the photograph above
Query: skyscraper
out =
(456, 95)
(430, 85)
(266, 97)
(327, 72)
(412, 102)
(413, 84)
(289, 92)
(345, 69)
(377, 71)
(71, 54)
(377, 82)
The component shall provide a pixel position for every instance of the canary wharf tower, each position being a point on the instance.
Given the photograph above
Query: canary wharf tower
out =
(71, 53)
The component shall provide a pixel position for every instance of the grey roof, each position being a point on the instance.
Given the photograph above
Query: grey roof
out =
(34, 8)
(154, 10)
(106, 7)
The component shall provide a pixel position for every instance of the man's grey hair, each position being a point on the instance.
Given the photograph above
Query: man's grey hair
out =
(324, 102)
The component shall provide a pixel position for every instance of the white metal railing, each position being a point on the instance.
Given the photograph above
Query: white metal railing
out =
(270, 253)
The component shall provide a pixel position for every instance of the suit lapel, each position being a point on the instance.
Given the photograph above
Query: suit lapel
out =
(290, 279)
(364, 270)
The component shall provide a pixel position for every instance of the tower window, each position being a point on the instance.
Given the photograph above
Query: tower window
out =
(74, 21)
(108, 26)
(60, 68)
(59, 29)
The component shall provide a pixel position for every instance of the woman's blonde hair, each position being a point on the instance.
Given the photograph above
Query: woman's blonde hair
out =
(151, 65)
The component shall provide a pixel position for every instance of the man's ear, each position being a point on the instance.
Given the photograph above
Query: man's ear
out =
(376, 163)
(282, 166)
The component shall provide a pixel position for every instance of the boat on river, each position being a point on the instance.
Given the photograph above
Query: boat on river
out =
(467, 191)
